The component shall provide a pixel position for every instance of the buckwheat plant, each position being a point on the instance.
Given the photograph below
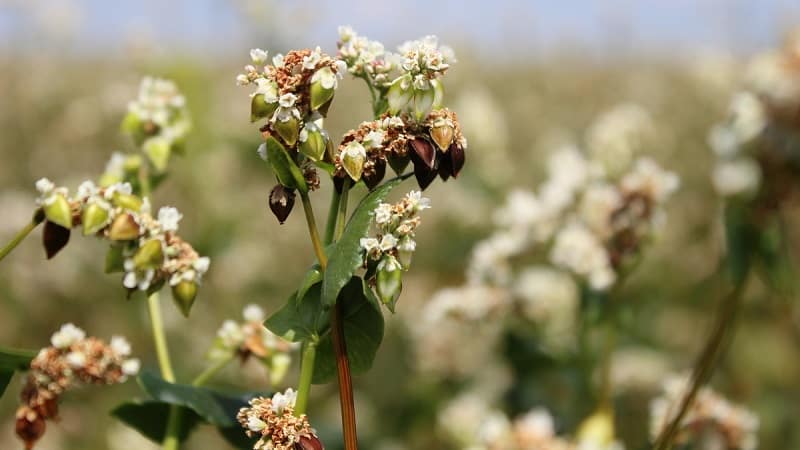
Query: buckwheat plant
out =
(552, 270)
(145, 248)
(335, 313)
(757, 147)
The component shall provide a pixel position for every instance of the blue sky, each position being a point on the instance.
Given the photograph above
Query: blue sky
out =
(505, 27)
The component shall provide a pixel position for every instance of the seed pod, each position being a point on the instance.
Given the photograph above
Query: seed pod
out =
(376, 175)
(124, 228)
(309, 442)
(438, 93)
(281, 202)
(149, 256)
(58, 211)
(157, 150)
(288, 130)
(322, 86)
(30, 426)
(184, 294)
(314, 145)
(54, 238)
(445, 166)
(457, 158)
(423, 101)
(259, 108)
(127, 201)
(422, 172)
(94, 218)
(442, 135)
(424, 150)
(398, 163)
(353, 158)
(389, 285)
(400, 94)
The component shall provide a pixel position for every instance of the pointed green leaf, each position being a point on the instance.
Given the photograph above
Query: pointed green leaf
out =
(284, 167)
(300, 320)
(12, 360)
(150, 417)
(345, 257)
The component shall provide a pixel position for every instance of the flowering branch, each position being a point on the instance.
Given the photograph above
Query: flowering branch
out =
(38, 217)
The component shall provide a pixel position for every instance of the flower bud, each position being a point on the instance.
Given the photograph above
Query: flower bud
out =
(57, 210)
(184, 294)
(124, 228)
(149, 256)
(312, 143)
(54, 238)
(389, 281)
(288, 130)
(260, 108)
(323, 83)
(158, 150)
(281, 202)
(353, 157)
(127, 201)
(399, 94)
(309, 442)
(94, 218)
(442, 134)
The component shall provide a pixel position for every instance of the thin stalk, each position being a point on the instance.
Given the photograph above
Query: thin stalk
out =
(312, 231)
(212, 370)
(706, 361)
(306, 374)
(333, 211)
(21, 235)
(341, 217)
(171, 438)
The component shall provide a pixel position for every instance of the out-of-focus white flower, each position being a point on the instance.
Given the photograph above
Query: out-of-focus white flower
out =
(746, 116)
(253, 313)
(549, 298)
(598, 203)
(579, 251)
(283, 399)
(66, 336)
(258, 56)
(131, 367)
(169, 217)
(648, 178)
(737, 177)
(617, 136)
(120, 346)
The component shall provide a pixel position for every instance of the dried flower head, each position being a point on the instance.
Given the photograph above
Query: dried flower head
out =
(72, 360)
(273, 420)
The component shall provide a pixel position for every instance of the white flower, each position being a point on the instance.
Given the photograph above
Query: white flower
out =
(741, 176)
(231, 334)
(578, 250)
(45, 186)
(354, 149)
(201, 264)
(535, 426)
(120, 346)
(258, 56)
(310, 62)
(242, 80)
(417, 201)
(283, 400)
(87, 189)
(255, 424)
(130, 367)
(253, 313)
(287, 100)
(616, 136)
(389, 264)
(66, 336)
(138, 280)
(370, 245)
(277, 60)
(169, 217)
(383, 213)
(747, 117)
(388, 242)
(598, 203)
(76, 360)
(648, 178)
(374, 139)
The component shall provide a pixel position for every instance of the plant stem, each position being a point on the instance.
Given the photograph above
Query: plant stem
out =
(171, 438)
(333, 211)
(706, 361)
(306, 374)
(21, 235)
(341, 217)
(312, 231)
(212, 370)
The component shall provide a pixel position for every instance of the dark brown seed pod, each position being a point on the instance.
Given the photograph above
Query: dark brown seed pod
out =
(458, 157)
(54, 238)
(31, 430)
(445, 165)
(424, 174)
(398, 163)
(376, 175)
(309, 442)
(281, 202)
(422, 148)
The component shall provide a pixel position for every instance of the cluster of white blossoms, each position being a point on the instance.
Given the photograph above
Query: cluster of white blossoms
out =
(146, 248)
(251, 338)
(711, 420)
(364, 57)
(472, 425)
(158, 120)
(396, 223)
(274, 422)
(589, 220)
(755, 143)
(73, 359)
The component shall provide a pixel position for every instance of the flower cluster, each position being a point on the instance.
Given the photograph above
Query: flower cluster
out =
(435, 146)
(73, 359)
(364, 57)
(146, 248)
(710, 418)
(389, 252)
(422, 62)
(273, 420)
(593, 223)
(251, 338)
(158, 120)
(756, 145)
(295, 89)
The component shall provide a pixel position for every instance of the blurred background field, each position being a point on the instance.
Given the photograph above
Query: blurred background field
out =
(530, 76)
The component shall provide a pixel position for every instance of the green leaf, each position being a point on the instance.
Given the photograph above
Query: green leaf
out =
(12, 360)
(201, 400)
(150, 419)
(312, 277)
(345, 257)
(284, 166)
(363, 333)
(5, 378)
(300, 320)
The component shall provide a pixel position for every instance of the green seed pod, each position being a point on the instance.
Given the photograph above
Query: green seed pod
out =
(149, 256)
(157, 150)
(423, 102)
(127, 201)
(438, 93)
(314, 144)
(58, 211)
(399, 94)
(184, 294)
(288, 130)
(323, 83)
(389, 285)
(94, 218)
(353, 157)
(123, 228)
(260, 108)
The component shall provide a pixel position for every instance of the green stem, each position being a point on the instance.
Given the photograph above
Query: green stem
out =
(171, 438)
(312, 231)
(212, 370)
(333, 211)
(306, 374)
(38, 217)
(341, 217)
(706, 361)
